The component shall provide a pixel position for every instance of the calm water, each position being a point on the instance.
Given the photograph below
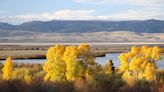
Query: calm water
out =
(101, 60)
(114, 57)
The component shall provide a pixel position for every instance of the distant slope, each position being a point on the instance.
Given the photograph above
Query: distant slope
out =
(83, 31)
(6, 26)
(147, 26)
(119, 36)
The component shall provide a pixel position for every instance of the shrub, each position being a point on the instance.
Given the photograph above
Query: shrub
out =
(104, 83)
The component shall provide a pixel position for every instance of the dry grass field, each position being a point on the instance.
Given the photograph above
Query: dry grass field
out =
(38, 51)
(22, 54)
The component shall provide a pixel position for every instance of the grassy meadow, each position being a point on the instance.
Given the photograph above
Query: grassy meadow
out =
(99, 82)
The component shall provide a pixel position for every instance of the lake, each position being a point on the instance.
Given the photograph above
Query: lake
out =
(100, 60)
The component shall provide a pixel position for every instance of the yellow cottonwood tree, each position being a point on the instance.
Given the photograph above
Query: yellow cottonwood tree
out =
(87, 58)
(156, 53)
(55, 67)
(150, 71)
(140, 62)
(124, 64)
(71, 57)
(7, 69)
(86, 54)
(68, 63)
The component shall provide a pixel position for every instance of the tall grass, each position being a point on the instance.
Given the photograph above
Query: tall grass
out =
(99, 82)
(35, 86)
(101, 85)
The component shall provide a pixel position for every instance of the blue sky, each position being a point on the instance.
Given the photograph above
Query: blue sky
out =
(19, 11)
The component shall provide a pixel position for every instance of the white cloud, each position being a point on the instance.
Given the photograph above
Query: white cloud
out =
(62, 14)
(140, 9)
(137, 15)
(134, 2)
(141, 4)
(73, 14)
(58, 15)
(84, 15)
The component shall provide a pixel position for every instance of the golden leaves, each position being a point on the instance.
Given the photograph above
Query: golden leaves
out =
(124, 64)
(7, 69)
(54, 67)
(63, 62)
(140, 62)
(70, 58)
(150, 71)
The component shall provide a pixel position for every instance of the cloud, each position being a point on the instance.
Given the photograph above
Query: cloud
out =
(58, 15)
(134, 2)
(73, 14)
(84, 15)
(140, 4)
(139, 10)
(136, 15)
(61, 14)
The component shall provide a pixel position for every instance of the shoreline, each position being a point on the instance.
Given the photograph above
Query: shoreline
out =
(38, 50)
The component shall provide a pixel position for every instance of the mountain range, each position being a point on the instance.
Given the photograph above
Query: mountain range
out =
(83, 31)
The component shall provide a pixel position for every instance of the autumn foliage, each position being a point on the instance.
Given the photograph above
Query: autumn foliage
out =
(55, 67)
(73, 69)
(8, 69)
(68, 63)
(140, 63)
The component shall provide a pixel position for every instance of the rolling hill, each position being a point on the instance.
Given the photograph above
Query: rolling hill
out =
(83, 31)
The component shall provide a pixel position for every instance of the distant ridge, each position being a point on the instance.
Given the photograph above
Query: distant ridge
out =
(83, 26)
(68, 31)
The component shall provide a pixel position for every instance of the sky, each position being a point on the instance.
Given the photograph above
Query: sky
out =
(19, 11)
